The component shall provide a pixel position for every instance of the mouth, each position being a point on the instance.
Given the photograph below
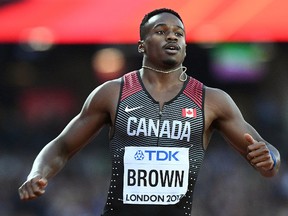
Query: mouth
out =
(171, 48)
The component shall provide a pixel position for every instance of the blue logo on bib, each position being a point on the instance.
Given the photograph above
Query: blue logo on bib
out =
(139, 155)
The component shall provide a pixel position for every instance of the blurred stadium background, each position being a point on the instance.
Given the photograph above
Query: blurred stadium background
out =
(53, 53)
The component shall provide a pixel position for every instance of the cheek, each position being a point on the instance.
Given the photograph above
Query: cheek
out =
(154, 42)
(153, 48)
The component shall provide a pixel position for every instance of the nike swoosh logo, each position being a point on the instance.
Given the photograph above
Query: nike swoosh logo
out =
(127, 109)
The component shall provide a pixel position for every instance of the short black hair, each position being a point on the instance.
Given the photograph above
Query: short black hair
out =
(153, 13)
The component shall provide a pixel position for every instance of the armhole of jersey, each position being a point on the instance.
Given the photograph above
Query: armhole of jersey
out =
(195, 90)
(203, 114)
(120, 96)
(112, 131)
(125, 79)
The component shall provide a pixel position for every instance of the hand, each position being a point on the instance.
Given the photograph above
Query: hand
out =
(33, 188)
(258, 154)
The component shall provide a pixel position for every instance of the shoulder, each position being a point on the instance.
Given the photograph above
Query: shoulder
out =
(109, 87)
(219, 104)
(112, 87)
(215, 96)
(104, 96)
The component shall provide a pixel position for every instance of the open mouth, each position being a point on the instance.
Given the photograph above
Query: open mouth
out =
(172, 47)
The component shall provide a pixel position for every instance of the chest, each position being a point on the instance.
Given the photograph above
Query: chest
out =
(177, 121)
(163, 96)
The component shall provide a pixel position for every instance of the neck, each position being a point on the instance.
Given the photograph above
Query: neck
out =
(183, 76)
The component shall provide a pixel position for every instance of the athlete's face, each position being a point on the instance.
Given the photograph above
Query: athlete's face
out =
(164, 44)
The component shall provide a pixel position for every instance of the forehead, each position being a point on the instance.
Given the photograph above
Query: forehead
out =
(165, 19)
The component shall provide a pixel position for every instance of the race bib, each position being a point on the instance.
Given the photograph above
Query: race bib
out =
(155, 175)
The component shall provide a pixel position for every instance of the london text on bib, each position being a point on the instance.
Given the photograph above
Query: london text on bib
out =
(155, 175)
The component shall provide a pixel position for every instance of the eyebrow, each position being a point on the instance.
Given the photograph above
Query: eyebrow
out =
(163, 24)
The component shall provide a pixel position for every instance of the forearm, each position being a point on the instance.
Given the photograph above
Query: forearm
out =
(49, 161)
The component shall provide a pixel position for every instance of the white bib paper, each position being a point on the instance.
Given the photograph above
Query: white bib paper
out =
(155, 175)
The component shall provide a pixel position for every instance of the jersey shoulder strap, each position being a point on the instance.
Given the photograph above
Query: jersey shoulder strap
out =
(195, 91)
(130, 84)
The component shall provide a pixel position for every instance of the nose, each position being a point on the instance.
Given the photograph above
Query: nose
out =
(171, 36)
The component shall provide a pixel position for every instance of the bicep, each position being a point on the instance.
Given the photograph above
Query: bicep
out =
(232, 125)
(83, 127)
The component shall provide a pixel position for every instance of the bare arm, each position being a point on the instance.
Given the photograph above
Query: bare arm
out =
(227, 118)
(98, 110)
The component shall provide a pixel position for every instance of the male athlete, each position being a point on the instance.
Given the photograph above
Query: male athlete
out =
(161, 121)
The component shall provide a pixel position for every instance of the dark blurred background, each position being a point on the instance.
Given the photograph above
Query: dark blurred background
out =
(42, 91)
(44, 83)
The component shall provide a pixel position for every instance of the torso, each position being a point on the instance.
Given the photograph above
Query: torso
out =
(162, 97)
(162, 128)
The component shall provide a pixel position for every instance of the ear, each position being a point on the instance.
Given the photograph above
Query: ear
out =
(141, 46)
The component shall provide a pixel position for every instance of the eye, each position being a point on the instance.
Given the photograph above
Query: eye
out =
(179, 34)
(160, 32)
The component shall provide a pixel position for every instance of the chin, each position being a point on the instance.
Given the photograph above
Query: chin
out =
(170, 62)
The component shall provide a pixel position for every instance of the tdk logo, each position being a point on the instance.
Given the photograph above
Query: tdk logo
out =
(159, 155)
(139, 155)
